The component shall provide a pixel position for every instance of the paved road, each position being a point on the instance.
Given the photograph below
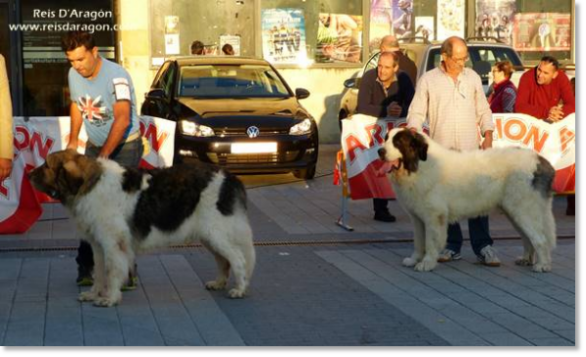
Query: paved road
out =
(315, 284)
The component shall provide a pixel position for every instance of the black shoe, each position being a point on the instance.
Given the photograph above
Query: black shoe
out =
(571, 207)
(84, 276)
(384, 217)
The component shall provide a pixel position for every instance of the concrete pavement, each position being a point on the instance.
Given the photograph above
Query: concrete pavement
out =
(315, 284)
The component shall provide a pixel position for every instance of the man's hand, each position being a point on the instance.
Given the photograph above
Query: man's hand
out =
(394, 109)
(487, 142)
(556, 113)
(5, 168)
(72, 144)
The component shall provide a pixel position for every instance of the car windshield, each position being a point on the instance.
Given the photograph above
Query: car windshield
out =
(231, 81)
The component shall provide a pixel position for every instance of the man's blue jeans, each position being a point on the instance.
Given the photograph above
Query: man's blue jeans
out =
(479, 235)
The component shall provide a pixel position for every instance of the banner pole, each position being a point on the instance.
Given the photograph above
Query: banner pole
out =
(343, 219)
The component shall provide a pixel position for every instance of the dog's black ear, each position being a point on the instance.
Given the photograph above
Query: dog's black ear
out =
(91, 172)
(420, 146)
(66, 183)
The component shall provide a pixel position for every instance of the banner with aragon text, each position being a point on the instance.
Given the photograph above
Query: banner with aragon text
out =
(37, 137)
(363, 135)
(556, 142)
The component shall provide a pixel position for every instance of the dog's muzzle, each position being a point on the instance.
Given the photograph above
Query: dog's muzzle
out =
(382, 153)
(388, 166)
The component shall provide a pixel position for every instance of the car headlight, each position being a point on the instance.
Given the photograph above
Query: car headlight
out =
(193, 129)
(302, 128)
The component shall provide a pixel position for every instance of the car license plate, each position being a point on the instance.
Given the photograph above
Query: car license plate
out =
(253, 148)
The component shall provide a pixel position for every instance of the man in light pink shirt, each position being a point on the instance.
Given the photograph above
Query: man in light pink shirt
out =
(452, 99)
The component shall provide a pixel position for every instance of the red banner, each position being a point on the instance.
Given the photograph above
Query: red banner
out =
(363, 135)
(556, 142)
(36, 137)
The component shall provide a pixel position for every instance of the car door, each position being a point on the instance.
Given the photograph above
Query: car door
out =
(159, 100)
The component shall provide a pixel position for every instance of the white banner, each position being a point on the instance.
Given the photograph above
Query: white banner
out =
(362, 135)
(37, 137)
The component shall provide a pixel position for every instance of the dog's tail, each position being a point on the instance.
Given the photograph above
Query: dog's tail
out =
(239, 190)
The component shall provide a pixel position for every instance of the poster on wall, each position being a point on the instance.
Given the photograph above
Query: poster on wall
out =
(424, 27)
(450, 18)
(172, 46)
(495, 19)
(402, 18)
(339, 38)
(542, 32)
(283, 35)
(381, 20)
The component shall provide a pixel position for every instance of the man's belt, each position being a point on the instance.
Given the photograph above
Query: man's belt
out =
(130, 138)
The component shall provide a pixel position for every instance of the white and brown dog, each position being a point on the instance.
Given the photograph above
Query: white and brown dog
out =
(123, 210)
(437, 186)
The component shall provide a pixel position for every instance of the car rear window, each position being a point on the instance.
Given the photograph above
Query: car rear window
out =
(230, 81)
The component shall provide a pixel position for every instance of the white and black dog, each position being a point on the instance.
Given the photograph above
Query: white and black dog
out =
(437, 186)
(123, 210)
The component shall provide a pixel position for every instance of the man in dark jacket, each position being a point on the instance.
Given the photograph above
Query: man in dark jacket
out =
(385, 92)
(389, 43)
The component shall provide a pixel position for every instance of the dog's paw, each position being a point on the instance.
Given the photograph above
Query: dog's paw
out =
(541, 268)
(236, 293)
(523, 262)
(105, 302)
(216, 285)
(87, 296)
(409, 262)
(425, 265)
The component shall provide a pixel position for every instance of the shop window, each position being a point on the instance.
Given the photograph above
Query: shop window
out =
(45, 90)
(305, 32)
(534, 28)
(175, 24)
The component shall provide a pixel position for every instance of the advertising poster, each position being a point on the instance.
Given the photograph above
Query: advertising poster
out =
(542, 32)
(381, 19)
(450, 18)
(495, 19)
(424, 27)
(402, 18)
(283, 35)
(172, 46)
(339, 38)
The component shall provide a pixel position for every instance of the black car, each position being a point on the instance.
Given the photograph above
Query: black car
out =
(235, 112)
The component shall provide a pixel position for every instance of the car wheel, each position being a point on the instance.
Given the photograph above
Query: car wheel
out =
(305, 174)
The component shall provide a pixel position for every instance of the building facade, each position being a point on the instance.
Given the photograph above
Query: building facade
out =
(315, 44)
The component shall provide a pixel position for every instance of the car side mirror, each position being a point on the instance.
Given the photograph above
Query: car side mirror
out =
(156, 93)
(352, 83)
(301, 93)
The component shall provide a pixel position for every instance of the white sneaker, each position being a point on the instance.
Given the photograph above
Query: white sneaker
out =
(488, 257)
(448, 255)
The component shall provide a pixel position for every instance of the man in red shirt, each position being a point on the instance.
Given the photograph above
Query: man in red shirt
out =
(545, 92)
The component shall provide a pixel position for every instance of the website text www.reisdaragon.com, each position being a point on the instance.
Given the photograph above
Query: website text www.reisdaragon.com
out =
(64, 27)
(64, 20)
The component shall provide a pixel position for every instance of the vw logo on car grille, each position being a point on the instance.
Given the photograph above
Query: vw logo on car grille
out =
(252, 132)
